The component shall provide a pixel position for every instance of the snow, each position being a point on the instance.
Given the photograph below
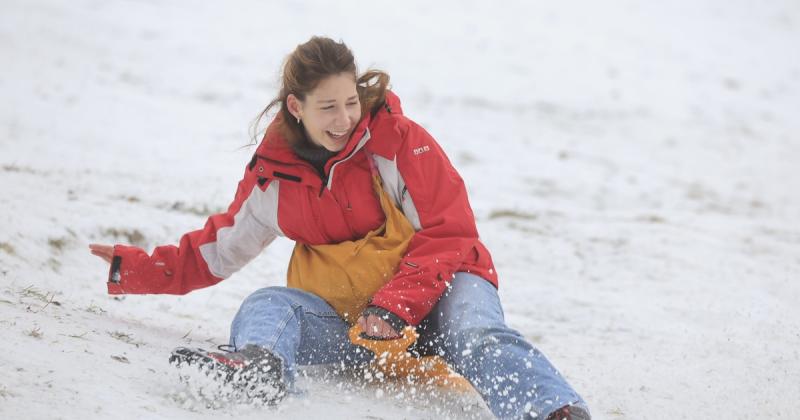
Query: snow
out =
(632, 166)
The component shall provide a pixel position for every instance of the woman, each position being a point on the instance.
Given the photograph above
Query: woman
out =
(385, 238)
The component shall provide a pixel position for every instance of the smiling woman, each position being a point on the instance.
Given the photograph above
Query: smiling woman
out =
(385, 241)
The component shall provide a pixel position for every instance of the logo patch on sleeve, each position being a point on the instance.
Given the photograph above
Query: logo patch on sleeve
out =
(420, 150)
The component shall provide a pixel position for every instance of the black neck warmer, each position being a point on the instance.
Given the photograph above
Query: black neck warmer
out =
(317, 156)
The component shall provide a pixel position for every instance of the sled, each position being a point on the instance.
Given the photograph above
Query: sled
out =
(393, 360)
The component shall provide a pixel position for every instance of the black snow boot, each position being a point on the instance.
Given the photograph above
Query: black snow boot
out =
(252, 370)
(570, 412)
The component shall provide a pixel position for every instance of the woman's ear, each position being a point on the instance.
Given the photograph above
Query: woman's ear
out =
(294, 105)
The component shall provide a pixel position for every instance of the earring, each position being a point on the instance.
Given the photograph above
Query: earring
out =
(298, 120)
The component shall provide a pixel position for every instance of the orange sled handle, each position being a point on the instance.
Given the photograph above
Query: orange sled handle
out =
(393, 360)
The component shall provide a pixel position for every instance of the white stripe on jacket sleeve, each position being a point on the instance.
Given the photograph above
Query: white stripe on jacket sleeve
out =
(254, 227)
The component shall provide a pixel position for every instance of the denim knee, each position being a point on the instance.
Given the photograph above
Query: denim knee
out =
(291, 299)
(466, 347)
(270, 294)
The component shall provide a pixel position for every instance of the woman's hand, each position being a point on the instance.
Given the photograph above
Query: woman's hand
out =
(375, 327)
(106, 252)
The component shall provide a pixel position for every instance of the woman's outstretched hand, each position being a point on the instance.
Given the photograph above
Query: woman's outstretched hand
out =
(374, 326)
(106, 252)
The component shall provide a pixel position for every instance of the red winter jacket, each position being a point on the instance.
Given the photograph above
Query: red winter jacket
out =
(282, 195)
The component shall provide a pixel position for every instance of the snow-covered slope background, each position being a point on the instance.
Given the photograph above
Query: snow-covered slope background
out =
(633, 167)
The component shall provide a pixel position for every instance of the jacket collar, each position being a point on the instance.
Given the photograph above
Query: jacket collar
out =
(275, 158)
(386, 129)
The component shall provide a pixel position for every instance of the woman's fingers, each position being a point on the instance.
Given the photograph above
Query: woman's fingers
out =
(377, 327)
(105, 252)
(102, 249)
(362, 323)
(374, 326)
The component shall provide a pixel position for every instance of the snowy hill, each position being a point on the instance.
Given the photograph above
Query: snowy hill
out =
(632, 166)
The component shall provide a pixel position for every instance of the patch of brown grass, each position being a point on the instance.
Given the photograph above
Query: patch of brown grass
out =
(128, 236)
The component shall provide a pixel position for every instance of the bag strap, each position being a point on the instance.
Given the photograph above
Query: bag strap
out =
(373, 169)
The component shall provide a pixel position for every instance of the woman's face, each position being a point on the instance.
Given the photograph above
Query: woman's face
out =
(330, 112)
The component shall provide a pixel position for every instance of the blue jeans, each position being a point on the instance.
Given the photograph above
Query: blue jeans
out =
(466, 327)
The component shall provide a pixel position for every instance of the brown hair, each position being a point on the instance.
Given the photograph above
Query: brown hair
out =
(306, 67)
